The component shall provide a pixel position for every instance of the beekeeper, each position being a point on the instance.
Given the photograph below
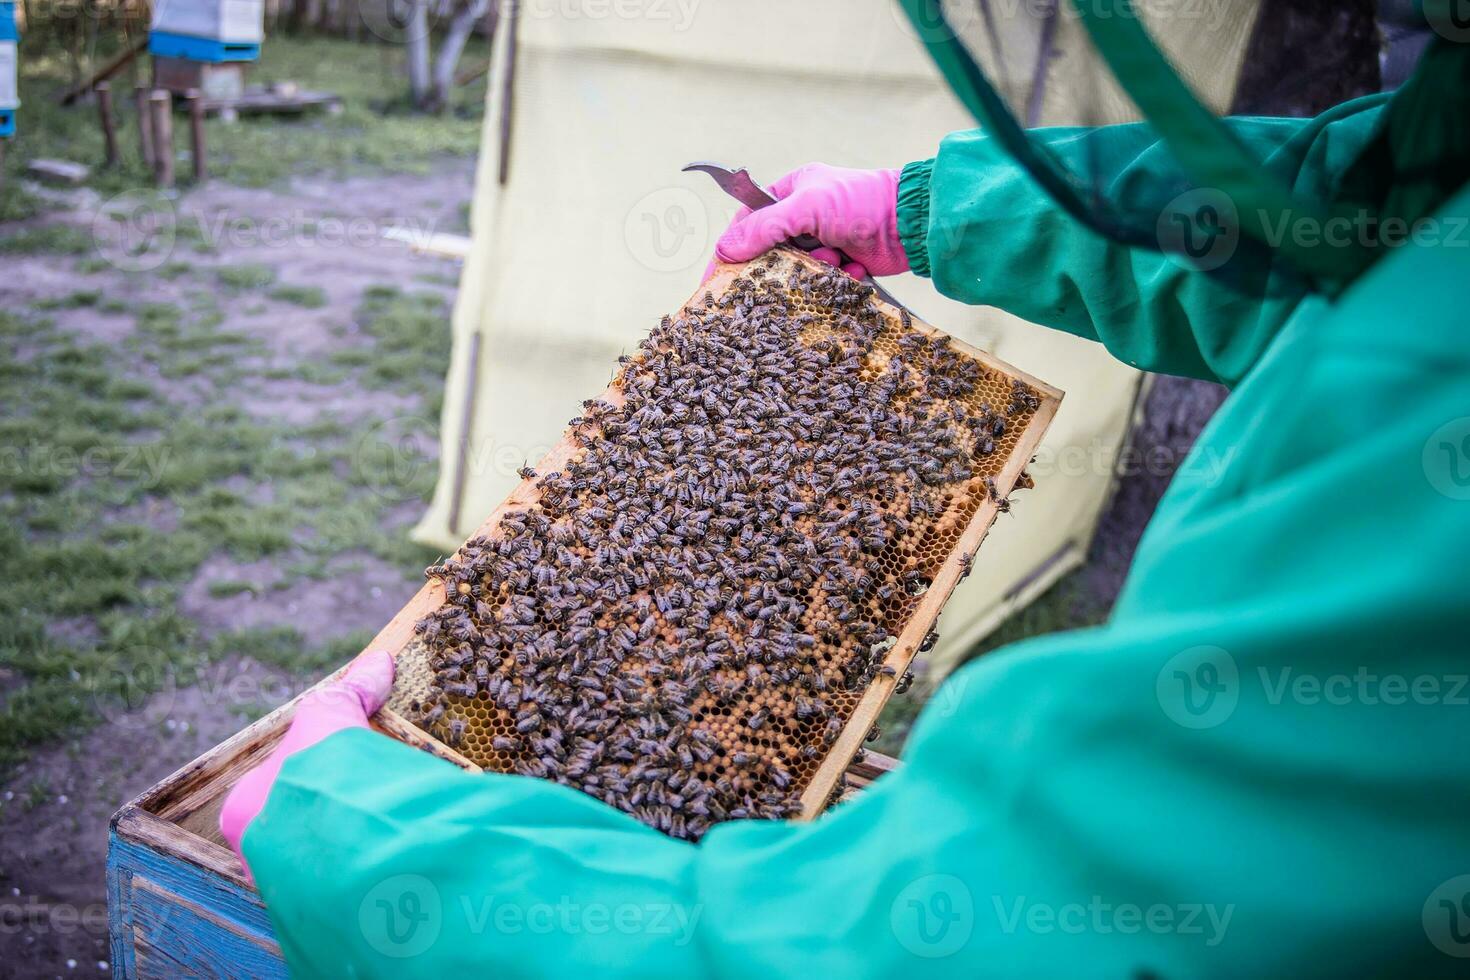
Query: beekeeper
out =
(1260, 765)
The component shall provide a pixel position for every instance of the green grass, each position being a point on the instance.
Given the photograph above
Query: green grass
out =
(310, 297)
(375, 132)
(38, 793)
(87, 443)
(46, 240)
(71, 301)
(240, 278)
(225, 588)
(284, 647)
(18, 203)
(410, 342)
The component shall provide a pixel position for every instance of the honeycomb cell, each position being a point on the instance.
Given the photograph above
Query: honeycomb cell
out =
(684, 620)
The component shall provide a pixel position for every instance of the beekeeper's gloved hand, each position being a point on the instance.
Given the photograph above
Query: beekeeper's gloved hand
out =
(343, 704)
(852, 210)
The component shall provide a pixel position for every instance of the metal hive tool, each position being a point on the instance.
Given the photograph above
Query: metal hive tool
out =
(748, 733)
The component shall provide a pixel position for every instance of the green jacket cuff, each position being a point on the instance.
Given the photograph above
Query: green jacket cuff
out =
(913, 214)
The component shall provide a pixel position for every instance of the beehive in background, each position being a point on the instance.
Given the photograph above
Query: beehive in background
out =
(207, 30)
(9, 68)
(757, 748)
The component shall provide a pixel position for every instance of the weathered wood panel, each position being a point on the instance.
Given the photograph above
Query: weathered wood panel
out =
(179, 938)
(179, 906)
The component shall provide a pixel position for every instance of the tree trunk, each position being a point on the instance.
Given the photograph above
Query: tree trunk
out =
(416, 50)
(297, 21)
(450, 49)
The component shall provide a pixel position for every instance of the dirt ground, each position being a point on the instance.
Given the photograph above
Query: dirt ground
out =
(53, 840)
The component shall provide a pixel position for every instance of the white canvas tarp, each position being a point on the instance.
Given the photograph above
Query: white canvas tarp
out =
(597, 233)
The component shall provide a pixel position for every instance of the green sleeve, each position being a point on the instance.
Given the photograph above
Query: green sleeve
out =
(1259, 767)
(978, 225)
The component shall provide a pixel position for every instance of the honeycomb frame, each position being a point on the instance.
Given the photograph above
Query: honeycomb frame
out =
(949, 551)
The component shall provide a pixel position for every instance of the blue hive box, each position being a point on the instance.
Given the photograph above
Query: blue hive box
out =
(9, 68)
(207, 30)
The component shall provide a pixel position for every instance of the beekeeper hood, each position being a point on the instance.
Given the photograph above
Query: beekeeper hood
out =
(1210, 197)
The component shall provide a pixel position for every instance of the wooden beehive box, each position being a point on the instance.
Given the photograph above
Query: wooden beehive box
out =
(179, 903)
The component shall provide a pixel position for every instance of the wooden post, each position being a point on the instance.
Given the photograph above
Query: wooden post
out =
(196, 133)
(145, 126)
(109, 132)
(161, 104)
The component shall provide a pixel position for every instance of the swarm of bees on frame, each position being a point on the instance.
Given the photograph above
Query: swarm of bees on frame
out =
(684, 620)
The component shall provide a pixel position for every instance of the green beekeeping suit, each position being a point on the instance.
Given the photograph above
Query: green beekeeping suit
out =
(1259, 766)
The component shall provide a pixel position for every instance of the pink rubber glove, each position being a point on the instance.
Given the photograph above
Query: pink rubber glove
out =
(852, 210)
(330, 709)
